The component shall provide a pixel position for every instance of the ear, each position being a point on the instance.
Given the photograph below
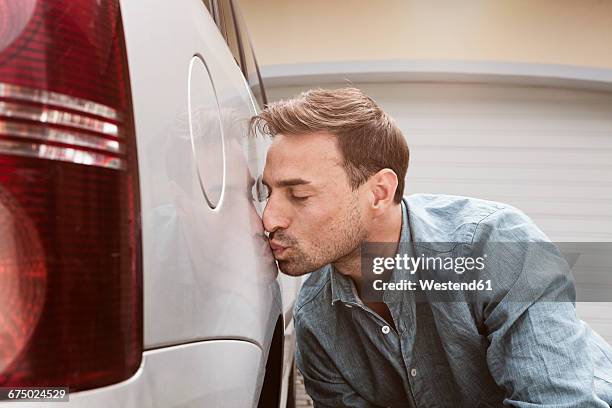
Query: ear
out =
(383, 185)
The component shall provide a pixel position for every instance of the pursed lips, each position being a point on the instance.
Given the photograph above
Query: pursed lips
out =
(277, 249)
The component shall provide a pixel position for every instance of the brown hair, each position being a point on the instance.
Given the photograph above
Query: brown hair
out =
(368, 138)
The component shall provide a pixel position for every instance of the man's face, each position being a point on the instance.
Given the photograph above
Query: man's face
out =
(312, 215)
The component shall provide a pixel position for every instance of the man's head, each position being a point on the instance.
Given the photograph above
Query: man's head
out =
(337, 163)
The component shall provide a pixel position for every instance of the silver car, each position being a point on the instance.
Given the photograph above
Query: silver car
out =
(134, 269)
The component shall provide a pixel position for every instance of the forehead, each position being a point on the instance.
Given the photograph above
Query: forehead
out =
(314, 157)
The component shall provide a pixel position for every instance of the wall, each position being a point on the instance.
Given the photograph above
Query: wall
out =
(568, 32)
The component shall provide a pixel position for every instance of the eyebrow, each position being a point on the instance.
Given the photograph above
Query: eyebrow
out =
(289, 182)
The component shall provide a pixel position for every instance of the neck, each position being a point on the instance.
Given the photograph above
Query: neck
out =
(385, 228)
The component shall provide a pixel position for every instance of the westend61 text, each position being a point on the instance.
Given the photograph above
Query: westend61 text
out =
(429, 284)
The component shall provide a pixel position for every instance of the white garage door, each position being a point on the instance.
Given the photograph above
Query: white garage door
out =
(546, 151)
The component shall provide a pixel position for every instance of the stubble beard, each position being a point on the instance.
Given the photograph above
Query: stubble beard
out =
(344, 238)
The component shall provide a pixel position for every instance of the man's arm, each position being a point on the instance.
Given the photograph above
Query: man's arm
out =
(539, 349)
(542, 359)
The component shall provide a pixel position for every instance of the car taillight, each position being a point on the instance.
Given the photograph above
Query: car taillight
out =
(70, 257)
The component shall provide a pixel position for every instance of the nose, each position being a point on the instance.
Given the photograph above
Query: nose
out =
(273, 216)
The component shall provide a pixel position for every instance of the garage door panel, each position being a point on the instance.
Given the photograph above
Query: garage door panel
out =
(478, 92)
(518, 156)
(547, 151)
(489, 188)
(534, 188)
(515, 174)
(601, 210)
(510, 138)
(450, 120)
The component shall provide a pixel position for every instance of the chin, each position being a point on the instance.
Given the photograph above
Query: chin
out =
(291, 269)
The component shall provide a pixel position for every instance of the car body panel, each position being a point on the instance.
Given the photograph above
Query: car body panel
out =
(183, 376)
(208, 273)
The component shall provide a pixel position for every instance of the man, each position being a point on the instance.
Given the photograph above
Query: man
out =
(335, 176)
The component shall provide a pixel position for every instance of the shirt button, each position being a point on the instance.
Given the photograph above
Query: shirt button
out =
(413, 372)
(386, 329)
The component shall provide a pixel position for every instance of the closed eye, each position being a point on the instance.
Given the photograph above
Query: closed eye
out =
(297, 198)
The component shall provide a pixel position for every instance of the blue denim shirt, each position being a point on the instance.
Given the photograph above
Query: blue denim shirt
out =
(485, 353)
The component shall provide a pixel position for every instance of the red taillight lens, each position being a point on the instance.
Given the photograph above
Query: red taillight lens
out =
(70, 258)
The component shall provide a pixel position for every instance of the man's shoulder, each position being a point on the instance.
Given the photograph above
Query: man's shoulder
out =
(450, 218)
(313, 291)
(452, 208)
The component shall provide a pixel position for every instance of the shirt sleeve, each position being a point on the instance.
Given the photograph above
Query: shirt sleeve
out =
(538, 348)
(324, 384)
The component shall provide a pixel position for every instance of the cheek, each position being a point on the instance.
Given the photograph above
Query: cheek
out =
(309, 222)
(319, 221)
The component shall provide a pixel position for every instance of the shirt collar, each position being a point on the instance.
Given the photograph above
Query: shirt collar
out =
(343, 287)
